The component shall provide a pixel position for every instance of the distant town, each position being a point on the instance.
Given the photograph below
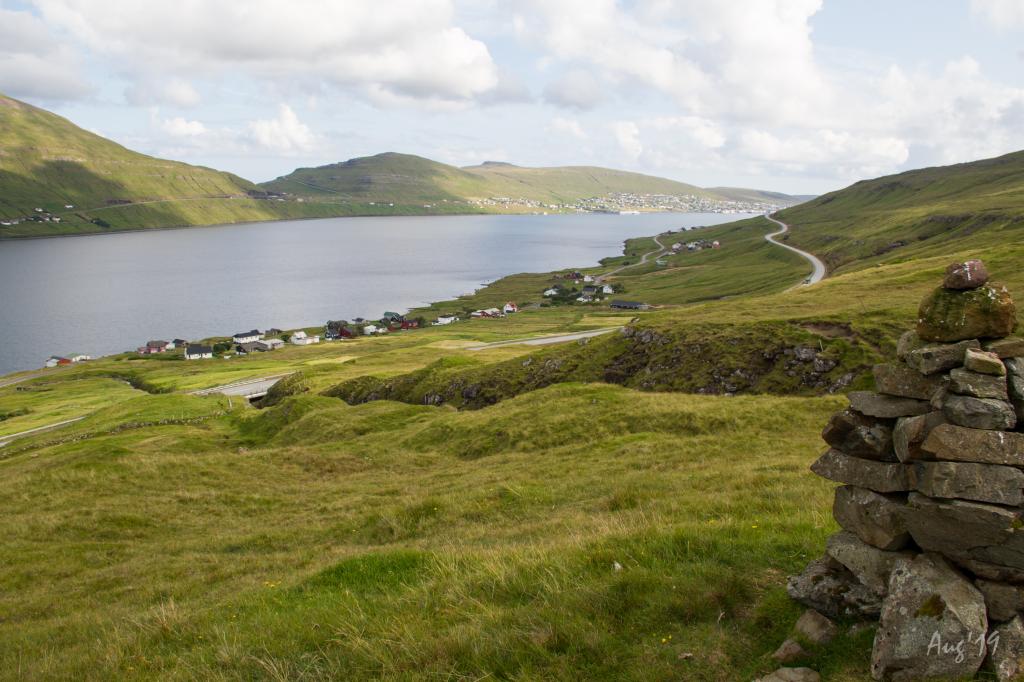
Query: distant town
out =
(627, 203)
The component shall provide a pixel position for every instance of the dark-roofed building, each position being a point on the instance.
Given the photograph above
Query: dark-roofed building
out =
(198, 352)
(629, 305)
(247, 337)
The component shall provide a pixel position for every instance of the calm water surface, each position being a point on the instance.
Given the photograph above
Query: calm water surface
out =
(108, 293)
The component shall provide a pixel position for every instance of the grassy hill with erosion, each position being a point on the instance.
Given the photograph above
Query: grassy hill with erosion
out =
(433, 505)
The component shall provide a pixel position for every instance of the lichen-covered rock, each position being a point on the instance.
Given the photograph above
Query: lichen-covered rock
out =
(931, 624)
(967, 275)
(881, 477)
(910, 433)
(815, 627)
(984, 362)
(870, 565)
(935, 358)
(961, 444)
(860, 435)
(1006, 651)
(986, 312)
(902, 381)
(970, 481)
(963, 381)
(874, 518)
(886, 406)
(1003, 600)
(979, 413)
(985, 538)
(828, 587)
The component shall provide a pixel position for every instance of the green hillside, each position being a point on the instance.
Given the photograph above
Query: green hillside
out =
(405, 178)
(47, 162)
(917, 213)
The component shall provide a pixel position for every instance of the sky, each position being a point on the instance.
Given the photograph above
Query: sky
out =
(798, 96)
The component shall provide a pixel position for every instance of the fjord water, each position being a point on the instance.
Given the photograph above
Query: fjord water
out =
(108, 293)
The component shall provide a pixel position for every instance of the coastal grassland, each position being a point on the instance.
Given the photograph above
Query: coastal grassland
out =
(316, 540)
(745, 265)
(53, 399)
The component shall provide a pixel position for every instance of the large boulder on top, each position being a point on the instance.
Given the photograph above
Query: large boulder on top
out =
(967, 275)
(946, 315)
(931, 623)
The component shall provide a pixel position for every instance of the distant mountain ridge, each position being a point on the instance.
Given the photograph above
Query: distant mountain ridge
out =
(392, 176)
(57, 178)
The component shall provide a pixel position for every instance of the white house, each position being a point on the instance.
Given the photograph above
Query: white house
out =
(300, 338)
(588, 278)
(197, 352)
(551, 292)
(272, 344)
(444, 319)
(607, 289)
(247, 337)
(509, 308)
(79, 357)
(370, 329)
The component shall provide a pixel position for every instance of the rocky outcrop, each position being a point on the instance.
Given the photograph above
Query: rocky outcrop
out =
(933, 527)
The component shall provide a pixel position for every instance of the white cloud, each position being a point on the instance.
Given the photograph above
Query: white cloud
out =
(404, 48)
(285, 134)
(180, 127)
(33, 61)
(173, 91)
(627, 134)
(567, 126)
(1003, 14)
(576, 89)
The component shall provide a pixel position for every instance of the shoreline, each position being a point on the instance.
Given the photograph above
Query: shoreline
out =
(164, 228)
(423, 307)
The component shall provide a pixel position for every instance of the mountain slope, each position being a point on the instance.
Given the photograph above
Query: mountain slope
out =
(48, 162)
(919, 213)
(402, 178)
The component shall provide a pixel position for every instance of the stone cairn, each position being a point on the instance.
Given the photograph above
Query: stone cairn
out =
(932, 496)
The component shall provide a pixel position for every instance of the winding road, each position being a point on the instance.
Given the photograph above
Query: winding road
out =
(545, 340)
(643, 259)
(819, 266)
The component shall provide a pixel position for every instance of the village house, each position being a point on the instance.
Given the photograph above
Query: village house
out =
(197, 352)
(590, 291)
(409, 324)
(607, 289)
(370, 329)
(247, 347)
(55, 360)
(551, 292)
(247, 337)
(153, 347)
(510, 308)
(301, 338)
(444, 319)
(629, 305)
(487, 312)
(390, 317)
(270, 344)
(339, 329)
(588, 278)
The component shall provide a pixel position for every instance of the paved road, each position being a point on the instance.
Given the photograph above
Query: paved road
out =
(546, 340)
(643, 259)
(256, 387)
(819, 267)
(4, 440)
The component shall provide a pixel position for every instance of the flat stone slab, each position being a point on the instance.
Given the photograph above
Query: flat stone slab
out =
(886, 406)
(870, 565)
(970, 481)
(860, 435)
(963, 381)
(874, 518)
(1010, 347)
(973, 534)
(1003, 600)
(979, 413)
(929, 600)
(961, 444)
(984, 362)
(910, 433)
(905, 382)
(881, 477)
(935, 358)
